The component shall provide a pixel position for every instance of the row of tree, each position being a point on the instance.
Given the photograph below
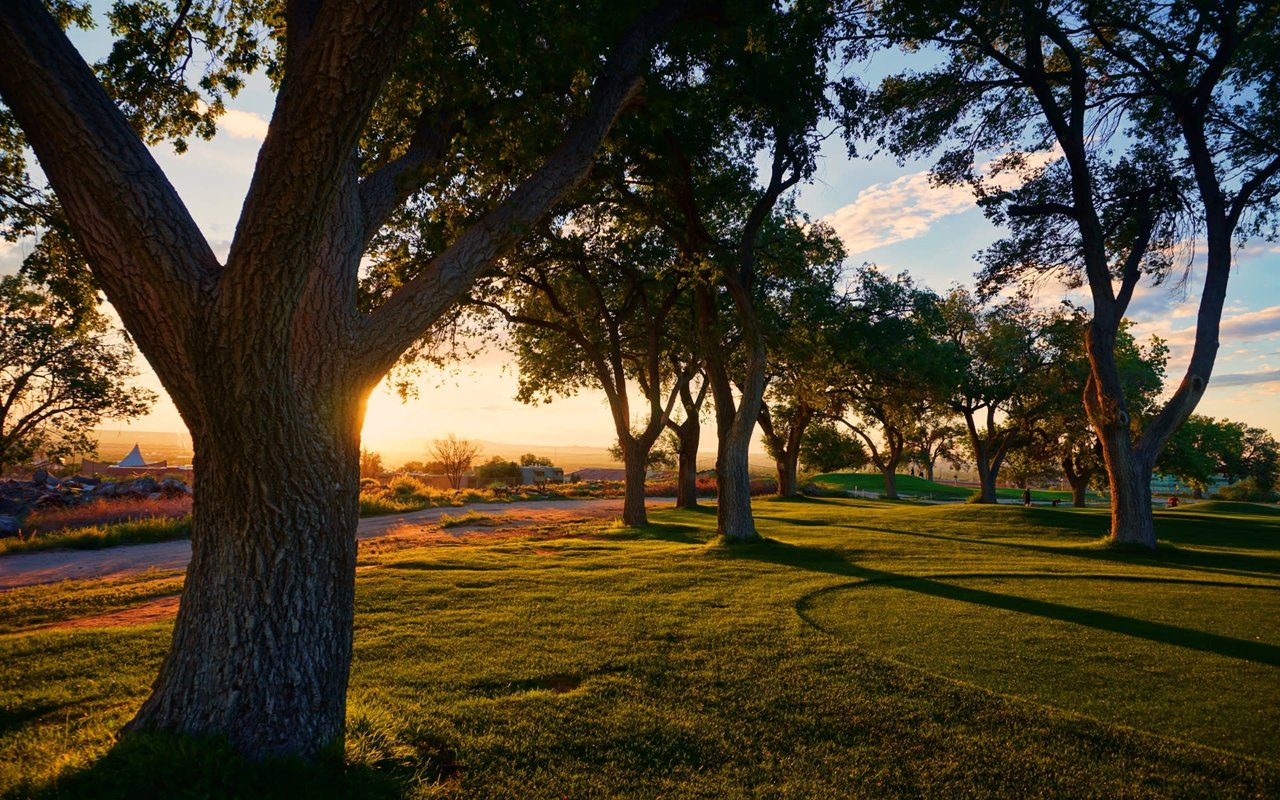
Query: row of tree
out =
(431, 140)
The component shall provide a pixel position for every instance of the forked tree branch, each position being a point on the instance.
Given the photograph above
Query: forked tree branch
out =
(394, 326)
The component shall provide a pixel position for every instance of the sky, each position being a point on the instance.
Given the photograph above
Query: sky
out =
(886, 213)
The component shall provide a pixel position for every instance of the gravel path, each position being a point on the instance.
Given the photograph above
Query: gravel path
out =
(50, 566)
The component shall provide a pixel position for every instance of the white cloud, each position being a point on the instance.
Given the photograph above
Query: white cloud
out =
(244, 124)
(239, 124)
(902, 209)
(907, 207)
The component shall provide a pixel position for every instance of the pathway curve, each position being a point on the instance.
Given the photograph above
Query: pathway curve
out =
(49, 566)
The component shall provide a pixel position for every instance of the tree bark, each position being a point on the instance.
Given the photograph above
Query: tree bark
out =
(1132, 522)
(1078, 477)
(890, 482)
(788, 480)
(735, 417)
(268, 357)
(785, 445)
(687, 479)
(733, 479)
(986, 478)
(733, 491)
(635, 455)
(262, 643)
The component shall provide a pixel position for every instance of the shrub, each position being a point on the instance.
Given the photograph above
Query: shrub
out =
(137, 531)
(404, 487)
(1246, 489)
(106, 512)
(475, 518)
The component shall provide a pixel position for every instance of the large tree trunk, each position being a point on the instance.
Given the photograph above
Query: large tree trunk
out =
(986, 482)
(928, 469)
(1128, 473)
(635, 454)
(733, 491)
(262, 643)
(1132, 522)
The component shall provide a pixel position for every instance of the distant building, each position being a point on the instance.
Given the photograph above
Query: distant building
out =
(537, 474)
(134, 464)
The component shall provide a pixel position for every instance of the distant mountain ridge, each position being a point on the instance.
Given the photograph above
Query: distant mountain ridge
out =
(175, 447)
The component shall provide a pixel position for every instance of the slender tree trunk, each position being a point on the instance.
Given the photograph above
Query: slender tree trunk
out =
(986, 480)
(262, 643)
(1078, 477)
(687, 478)
(788, 475)
(1197, 492)
(634, 456)
(735, 423)
(890, 482)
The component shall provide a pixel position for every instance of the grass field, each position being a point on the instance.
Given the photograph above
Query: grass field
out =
(870, 649)
(919, 487)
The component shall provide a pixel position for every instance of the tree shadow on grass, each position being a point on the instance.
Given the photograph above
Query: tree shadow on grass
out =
(14, 718)
(818, 559)
(155, 765)
(1170, 557)
(663, 532)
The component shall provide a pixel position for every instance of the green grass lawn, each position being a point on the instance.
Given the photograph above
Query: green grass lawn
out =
(870, 649)
(919, 487)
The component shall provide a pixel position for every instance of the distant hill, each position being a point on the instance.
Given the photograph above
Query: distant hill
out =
(175, 447)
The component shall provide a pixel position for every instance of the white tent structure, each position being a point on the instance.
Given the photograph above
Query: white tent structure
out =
(134, 459)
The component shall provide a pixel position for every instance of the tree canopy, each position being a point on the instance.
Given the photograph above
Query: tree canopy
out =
(62, 370)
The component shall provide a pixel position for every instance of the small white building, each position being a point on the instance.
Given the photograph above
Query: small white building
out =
(537, 474)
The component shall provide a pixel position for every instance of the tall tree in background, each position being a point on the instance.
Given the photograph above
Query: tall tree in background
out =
(1191, 85)
(371, 464)
(935, 435)
(455, 457)
(61, 371)
(999, 379)
(892, 366)
(688, 432)
(598, 302)
(800, 315)
(270, 355)
(729, 104)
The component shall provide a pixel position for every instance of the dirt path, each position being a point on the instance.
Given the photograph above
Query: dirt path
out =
(26, 569)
